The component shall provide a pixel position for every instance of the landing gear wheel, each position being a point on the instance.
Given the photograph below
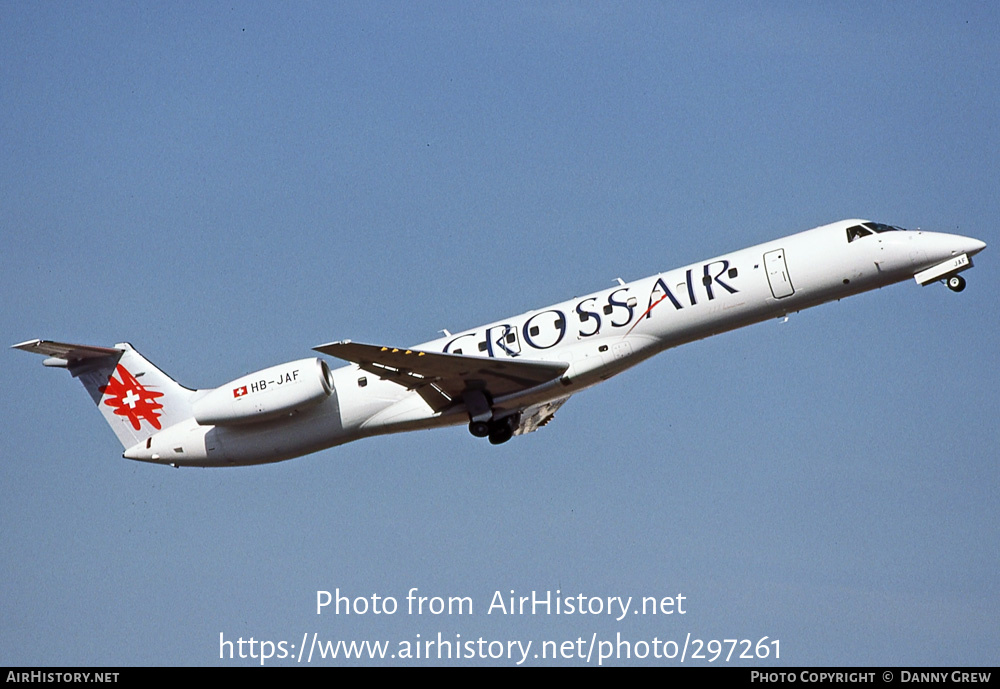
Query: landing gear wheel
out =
(956, 283)
(480, 429)
(501, 431)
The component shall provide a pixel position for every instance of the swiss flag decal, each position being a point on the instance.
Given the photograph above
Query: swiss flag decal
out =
(240, 391)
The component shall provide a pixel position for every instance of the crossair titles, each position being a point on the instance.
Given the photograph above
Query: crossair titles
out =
(616, 309)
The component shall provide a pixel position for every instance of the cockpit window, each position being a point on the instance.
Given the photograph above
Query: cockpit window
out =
(856, 232)
(879, 227)
(867, 228)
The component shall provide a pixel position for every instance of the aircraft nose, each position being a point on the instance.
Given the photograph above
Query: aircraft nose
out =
(973, 246)
(955, 244)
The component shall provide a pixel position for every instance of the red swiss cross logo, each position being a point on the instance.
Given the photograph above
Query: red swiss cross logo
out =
(131, 399)
(240, 391)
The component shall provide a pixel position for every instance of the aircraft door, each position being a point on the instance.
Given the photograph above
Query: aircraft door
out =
(777, 274)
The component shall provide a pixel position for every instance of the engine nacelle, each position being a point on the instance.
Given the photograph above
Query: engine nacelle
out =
(266, 394)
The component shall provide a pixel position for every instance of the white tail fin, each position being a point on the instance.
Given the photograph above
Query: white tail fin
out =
(136, 398)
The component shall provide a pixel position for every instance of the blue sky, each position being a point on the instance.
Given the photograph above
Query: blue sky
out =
(228, 186)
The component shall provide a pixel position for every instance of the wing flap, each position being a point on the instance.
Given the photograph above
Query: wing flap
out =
(451, 374)
(538, 415)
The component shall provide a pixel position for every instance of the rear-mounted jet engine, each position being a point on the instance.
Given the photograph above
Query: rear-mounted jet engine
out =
(266, 394)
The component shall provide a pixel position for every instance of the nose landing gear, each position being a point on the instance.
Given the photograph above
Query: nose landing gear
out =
(956, 283)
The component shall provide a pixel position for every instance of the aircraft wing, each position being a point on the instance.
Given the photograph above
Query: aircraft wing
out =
(441, 378)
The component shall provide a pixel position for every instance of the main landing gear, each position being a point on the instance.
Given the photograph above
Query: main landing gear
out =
(482, 424)
(956, 283)
(497, 430)
(480, 429)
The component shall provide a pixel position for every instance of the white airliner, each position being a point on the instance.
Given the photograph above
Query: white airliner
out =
(505, 378)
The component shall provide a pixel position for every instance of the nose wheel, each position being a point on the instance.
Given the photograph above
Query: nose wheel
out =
(956, 283)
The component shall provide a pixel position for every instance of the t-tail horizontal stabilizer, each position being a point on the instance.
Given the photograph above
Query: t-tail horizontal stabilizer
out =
(136, 398)
(63, 354)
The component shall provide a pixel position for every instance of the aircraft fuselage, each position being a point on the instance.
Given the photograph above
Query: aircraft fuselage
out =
(596, 336)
